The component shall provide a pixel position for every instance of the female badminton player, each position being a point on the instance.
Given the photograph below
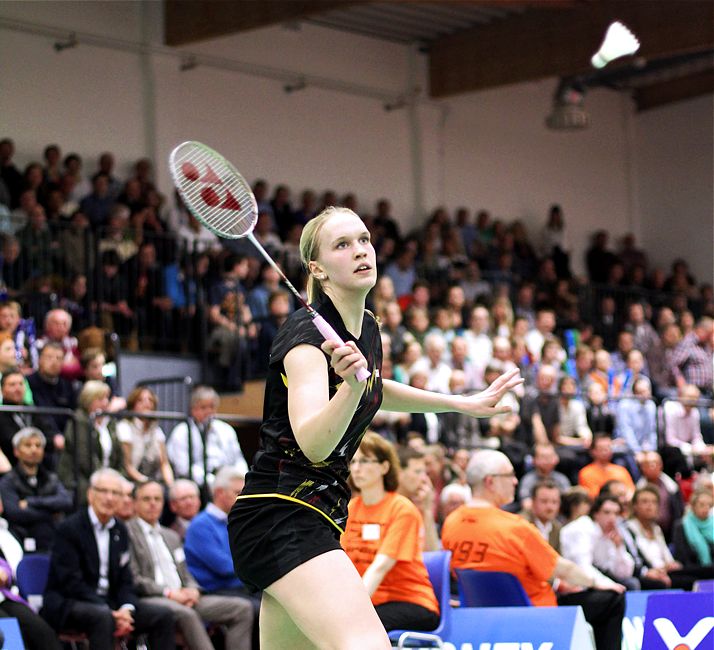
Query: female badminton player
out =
(285, 527)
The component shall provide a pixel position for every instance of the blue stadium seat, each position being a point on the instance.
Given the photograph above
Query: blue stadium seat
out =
(490, 589)
(437, 565)
(32, 575)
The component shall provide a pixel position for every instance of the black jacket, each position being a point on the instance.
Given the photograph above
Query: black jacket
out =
(45, 501)
(74, 569)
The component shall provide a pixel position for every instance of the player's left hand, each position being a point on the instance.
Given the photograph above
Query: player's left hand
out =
(483, 404)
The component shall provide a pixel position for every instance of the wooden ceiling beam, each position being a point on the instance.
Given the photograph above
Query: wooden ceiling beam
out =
(187, 21)
(674, 90)
(539, 44)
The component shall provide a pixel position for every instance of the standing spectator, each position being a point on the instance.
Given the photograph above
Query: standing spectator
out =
(595, 475)
(692, 358)
(554, 241)
(184, 503)
(106, 167)
(40, 251)
(143, 442)
(90, 587)
(33, 498)
(282, 211)
(161, 577)
(213, 442)
(81, 186)
(58, 324)
(599, 259)
(103, 450)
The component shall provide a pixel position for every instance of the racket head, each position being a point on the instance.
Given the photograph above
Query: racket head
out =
(213, 190)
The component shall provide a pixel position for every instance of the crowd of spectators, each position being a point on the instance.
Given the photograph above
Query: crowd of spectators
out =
(614, 419)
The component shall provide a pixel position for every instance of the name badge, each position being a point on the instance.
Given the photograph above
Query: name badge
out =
(30, 544)
(370, 532)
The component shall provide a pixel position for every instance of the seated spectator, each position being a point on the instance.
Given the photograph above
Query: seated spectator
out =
(8, 362)
(390, 563)
(545, 460)
(694, 535)
(76, 302)
(22, 332)
(89, 587)
(644, 335)
(544, 501)
(610, 554)
(94, 363)
(433, 365)
(414, 483)
(158, 565)
(90, 439)
(542, 331)
(452, 496)
(231, 320)
(40, 251)
(574, 430)
(13, 388)
(279, 308)
(636, 422)
(691, 361)
(593, 476)
(599, 415)
(481, 536)
(218, 437)
(117, 236)
(116, 315)
(185, 503)
(618, 359)
(58, 324)
(671, 506)
(478, 340)
(623, 382)
(651, 544)
(36, 634)
(539, 410)
(208, 554)
(125, 509)
(580, 536)
(98, 204)
(33, 498)
(77, 244)
(49, 388)
(143, 442)
(683, 432)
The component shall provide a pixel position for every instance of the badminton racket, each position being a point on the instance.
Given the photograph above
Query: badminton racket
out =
(221, 199)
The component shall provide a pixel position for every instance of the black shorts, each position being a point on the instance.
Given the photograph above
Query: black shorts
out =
(269, 537)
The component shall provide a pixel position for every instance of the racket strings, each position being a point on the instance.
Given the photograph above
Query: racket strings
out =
(224, 221)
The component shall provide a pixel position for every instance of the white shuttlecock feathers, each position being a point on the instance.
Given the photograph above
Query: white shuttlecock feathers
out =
(619, 41)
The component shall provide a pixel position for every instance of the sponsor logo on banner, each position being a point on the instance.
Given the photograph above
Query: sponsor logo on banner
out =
(690, 641)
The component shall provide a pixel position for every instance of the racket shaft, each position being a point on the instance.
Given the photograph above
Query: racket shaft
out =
(330, 335)
(325, 328)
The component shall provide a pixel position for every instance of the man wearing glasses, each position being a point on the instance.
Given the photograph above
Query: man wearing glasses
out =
(483, 537)
(90, 587)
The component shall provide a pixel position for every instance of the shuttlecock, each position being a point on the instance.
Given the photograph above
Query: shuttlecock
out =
(619, 41)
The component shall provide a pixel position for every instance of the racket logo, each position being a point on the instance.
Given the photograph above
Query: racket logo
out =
(210, 181)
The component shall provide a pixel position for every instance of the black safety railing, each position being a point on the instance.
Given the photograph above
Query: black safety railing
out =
(173, 393)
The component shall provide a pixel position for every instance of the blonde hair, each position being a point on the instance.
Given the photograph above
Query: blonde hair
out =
(92, 389)
(310, 249)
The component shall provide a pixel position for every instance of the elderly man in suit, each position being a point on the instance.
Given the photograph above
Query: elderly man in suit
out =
(90, 587)
(159, 566)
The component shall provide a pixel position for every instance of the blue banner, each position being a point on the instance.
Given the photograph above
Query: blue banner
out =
(679, 622)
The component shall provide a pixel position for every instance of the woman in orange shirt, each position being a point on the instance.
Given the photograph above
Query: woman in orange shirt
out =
(384, 540)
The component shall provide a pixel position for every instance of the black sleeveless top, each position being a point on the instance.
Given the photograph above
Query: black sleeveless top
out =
(280, 469)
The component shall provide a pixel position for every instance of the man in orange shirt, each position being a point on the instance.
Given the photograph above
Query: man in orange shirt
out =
(593, 476)
(481, 536)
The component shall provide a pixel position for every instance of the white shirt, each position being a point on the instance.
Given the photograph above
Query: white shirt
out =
(213, 510)
(543, 528)
(165, 572)
(101, 535)
(105, 440)
(576, 545)
(611, 558)
(437, 376)
(144, 442)
(222, 449)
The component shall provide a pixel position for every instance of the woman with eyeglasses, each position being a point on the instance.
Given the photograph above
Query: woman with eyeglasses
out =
(384, 539)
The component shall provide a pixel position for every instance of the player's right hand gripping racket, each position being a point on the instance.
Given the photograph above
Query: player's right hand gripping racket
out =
(221, 199)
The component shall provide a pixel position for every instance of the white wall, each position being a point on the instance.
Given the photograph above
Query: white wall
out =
(488, 150)
(676, 181)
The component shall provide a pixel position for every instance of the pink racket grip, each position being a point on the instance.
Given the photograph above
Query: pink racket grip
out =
(330, 335)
